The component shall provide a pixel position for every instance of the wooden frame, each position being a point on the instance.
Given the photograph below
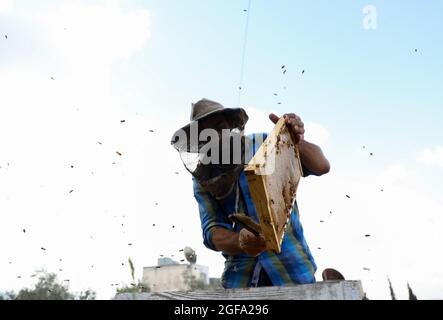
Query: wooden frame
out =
(273, 175)
(330, 290)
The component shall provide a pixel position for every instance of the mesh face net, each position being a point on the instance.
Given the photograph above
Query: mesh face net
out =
(213, 150)
(217, 164)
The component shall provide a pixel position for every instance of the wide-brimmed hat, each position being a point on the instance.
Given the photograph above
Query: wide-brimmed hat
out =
(204, 110)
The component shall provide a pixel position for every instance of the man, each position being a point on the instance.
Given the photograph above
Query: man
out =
(222, 189)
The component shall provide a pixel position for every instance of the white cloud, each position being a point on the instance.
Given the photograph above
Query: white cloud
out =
(393, 174)
(6, 6)
(403, 221)
(258, 121)
(50, 125)
(316, 133)
(432, 157)
(96, 34)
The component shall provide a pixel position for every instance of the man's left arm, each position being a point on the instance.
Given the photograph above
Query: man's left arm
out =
(313, 158)
(311, 155)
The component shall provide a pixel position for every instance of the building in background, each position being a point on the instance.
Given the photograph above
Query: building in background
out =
(169, 275)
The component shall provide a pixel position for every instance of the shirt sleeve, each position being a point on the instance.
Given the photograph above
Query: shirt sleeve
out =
(211, 215)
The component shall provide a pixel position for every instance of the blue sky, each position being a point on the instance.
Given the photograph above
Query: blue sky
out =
(370, 86)
(146, 61)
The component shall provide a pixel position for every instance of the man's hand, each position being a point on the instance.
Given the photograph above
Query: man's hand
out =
(236, 243)
(294, 124)
(250, 244)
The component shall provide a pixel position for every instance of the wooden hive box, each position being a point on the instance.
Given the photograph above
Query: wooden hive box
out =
(273, 175)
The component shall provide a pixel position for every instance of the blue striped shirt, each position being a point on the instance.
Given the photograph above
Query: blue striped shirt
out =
(294, 265)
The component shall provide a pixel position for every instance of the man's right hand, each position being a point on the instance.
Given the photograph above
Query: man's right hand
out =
(250, 244)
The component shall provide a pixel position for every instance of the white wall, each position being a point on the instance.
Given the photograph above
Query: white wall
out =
(171, 277)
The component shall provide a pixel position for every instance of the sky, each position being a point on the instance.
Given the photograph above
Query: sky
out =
(71, 71)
